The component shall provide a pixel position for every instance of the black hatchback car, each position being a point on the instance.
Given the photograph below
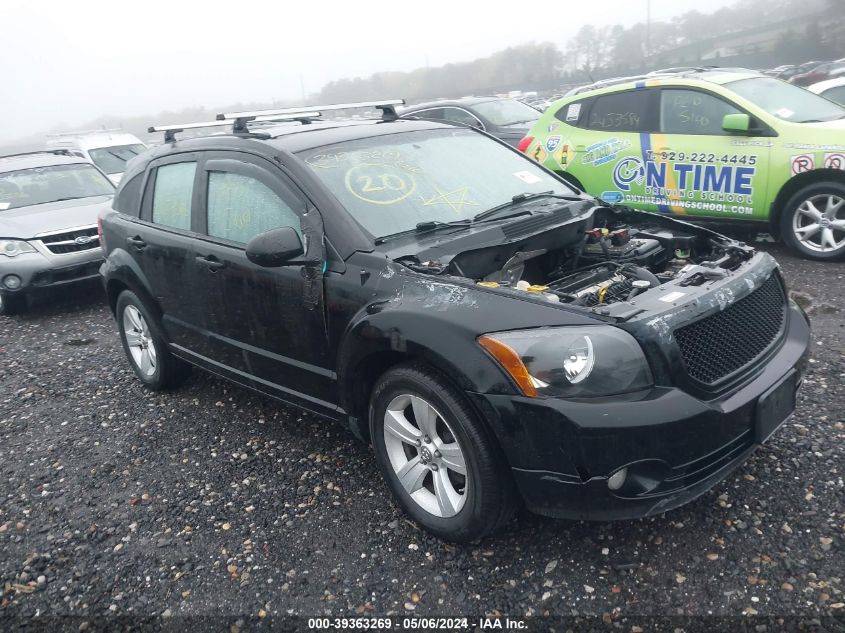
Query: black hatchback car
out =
(496, 335)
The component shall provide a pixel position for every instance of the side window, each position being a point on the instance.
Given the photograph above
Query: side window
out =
(574, 113)
(692, 112)
(459, 115)
(174, 188)
(625, 111)
(241, 207)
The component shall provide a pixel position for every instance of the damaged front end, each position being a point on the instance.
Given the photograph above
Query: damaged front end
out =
(609, 262)
(703, 307)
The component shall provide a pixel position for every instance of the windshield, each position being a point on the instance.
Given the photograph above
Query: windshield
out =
(112, 160)
(40, 185)
(505, 112)
(786, 101)
(391, 183)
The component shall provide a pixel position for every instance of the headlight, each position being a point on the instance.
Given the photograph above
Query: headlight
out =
(570, 361)
(13, 248)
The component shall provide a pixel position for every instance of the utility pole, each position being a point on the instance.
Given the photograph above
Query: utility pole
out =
(648, 28)
(302, 87)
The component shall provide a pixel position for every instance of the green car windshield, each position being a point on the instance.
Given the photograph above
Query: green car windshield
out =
(391, 183)
(786, 101)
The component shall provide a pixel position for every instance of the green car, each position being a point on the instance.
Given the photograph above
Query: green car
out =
(731, 147)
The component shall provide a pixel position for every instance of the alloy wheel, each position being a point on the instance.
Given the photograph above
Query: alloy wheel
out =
(819, 223)
(139, 340)
(425, 455)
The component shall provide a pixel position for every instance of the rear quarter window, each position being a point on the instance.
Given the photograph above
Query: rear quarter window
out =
(128, 197)
(574, 113)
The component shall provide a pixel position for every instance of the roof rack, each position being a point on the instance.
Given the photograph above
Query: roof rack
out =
(84, 132)
(387, 107)
(57, 152)
(239, 125)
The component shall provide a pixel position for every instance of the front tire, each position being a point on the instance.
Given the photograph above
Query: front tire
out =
(440, 462)
(813, 222)
(145, 346)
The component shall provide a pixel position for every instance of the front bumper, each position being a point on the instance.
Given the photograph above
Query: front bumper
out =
(675, 446)
(38, 272)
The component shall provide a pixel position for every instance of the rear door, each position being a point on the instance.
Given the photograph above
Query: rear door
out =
(603, 141)
(266, 325)
(161, 242)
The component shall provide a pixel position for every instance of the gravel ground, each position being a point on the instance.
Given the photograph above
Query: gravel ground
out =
(213, 501)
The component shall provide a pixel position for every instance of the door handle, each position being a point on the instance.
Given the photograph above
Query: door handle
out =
(211, 262)
(137, 242)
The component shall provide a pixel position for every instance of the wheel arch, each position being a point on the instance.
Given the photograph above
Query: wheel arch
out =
(795, 184)
(360, 376)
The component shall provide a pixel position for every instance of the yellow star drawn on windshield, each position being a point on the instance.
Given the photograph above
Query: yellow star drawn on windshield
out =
(456, 199)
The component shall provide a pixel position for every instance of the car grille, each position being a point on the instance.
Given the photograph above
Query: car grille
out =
(83, 239)
(720, 345)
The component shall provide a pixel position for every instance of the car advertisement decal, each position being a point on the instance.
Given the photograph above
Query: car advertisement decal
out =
(835, 160)
(676, 182)
(612, 197)
(565, 154)
(552, 143)
(801, 163)
(539, 153)
(604, 151)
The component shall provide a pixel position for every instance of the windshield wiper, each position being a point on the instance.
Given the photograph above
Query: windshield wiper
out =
(519, 199)
(426, 227)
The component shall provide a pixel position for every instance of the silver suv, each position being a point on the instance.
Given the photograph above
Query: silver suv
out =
(49, 203)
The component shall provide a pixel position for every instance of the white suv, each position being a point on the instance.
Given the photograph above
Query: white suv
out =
(107, 149)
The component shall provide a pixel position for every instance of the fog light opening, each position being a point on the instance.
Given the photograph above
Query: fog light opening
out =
(12, 282)
(617, 479)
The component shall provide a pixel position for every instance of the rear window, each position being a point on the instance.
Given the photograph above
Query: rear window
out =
(112, 160)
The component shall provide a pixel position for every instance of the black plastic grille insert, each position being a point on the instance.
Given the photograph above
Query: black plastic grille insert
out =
(62, 243)
(720, 345)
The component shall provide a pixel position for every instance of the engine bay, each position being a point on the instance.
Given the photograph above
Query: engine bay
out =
(614, 258)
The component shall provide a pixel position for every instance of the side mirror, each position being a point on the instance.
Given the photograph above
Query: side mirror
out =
(736, 123)
(274, 248)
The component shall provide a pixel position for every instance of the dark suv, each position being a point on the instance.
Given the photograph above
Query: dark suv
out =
(496, 335)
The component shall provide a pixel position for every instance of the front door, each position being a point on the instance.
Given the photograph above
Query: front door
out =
(266, 325)
(696, 168)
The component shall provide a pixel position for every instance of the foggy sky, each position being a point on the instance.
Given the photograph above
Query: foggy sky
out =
(64, 63)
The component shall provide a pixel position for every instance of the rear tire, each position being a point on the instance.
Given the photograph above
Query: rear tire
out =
(813, 222)
(12, 303)
(441, 463)
(145, 346)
